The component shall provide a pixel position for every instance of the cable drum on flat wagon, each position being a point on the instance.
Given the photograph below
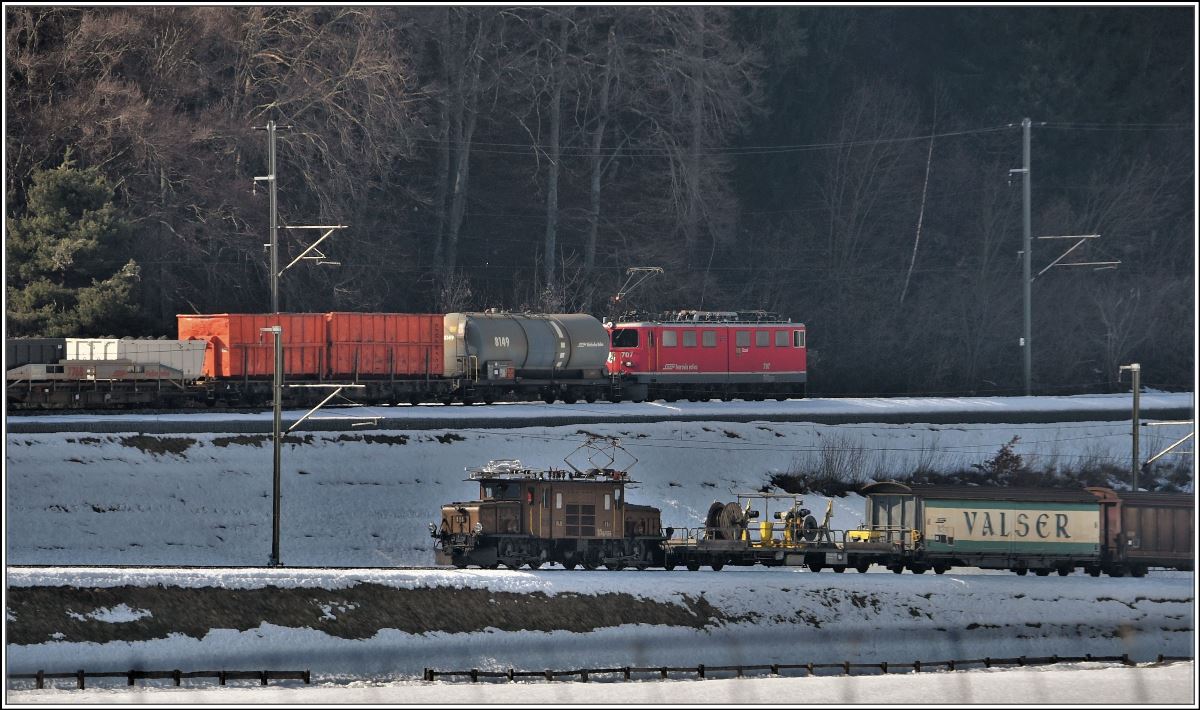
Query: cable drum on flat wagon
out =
(570, 345)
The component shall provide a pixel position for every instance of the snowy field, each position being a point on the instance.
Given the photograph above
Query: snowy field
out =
(362, 498)
(1096, 684)
(749, 616)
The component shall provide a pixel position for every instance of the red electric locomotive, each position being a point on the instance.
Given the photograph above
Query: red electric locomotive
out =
(701, 355)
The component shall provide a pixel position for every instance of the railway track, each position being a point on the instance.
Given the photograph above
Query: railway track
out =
(504, 416)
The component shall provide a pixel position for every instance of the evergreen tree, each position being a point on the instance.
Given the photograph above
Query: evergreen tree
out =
(69, 271)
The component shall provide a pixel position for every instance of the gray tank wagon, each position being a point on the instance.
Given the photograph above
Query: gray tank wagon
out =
(561, 356)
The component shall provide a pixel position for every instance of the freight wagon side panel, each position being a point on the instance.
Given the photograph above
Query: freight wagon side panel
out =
(385, 344)
(1157, 534)
(971, 527)
(243, 350)
(40, 351)
(213, 330)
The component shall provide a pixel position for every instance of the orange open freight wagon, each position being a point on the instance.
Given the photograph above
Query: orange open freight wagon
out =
(237, 347)
(384, 344)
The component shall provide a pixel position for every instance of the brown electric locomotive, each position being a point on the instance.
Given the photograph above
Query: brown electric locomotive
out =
(534, 517)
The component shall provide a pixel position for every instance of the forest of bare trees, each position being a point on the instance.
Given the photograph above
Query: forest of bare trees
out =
(845, 166)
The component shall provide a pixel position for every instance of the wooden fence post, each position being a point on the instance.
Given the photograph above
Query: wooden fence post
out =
(176, 676)
(79, 678)
(41, 679)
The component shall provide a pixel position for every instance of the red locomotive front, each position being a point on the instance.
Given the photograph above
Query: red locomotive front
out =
(697, 355)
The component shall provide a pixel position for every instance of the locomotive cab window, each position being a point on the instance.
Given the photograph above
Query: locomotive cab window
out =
(669, 338)
(781, 338)
(798, 338)
(501, 491)
(625, 338)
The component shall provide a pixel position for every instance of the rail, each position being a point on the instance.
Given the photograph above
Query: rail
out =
(132, 676)
(846, 667)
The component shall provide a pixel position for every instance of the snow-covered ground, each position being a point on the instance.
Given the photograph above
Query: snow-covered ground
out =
(1077, 684)
(363, 498)
(750, 616)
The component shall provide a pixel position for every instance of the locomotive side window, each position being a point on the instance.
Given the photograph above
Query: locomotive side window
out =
(669, 339)
(798, 338)
(709, 338)
(607, 502)
(781, 338)
(625, 338)
(762, 338)
(742, 339)
(689, 338)
(558, 501)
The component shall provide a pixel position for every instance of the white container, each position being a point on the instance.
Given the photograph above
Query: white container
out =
(186, 356)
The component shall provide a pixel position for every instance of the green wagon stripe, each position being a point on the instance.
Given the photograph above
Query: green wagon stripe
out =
(1003, 546)
(1008, 504)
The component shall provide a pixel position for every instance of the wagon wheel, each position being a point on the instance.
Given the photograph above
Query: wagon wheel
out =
(839, 569)
(612, 566)
(589, 397)
(569, 565)
(535, 564)
(668, 566)
(693, 566)
(717, 566)
(862, 567)
(1064, 571)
